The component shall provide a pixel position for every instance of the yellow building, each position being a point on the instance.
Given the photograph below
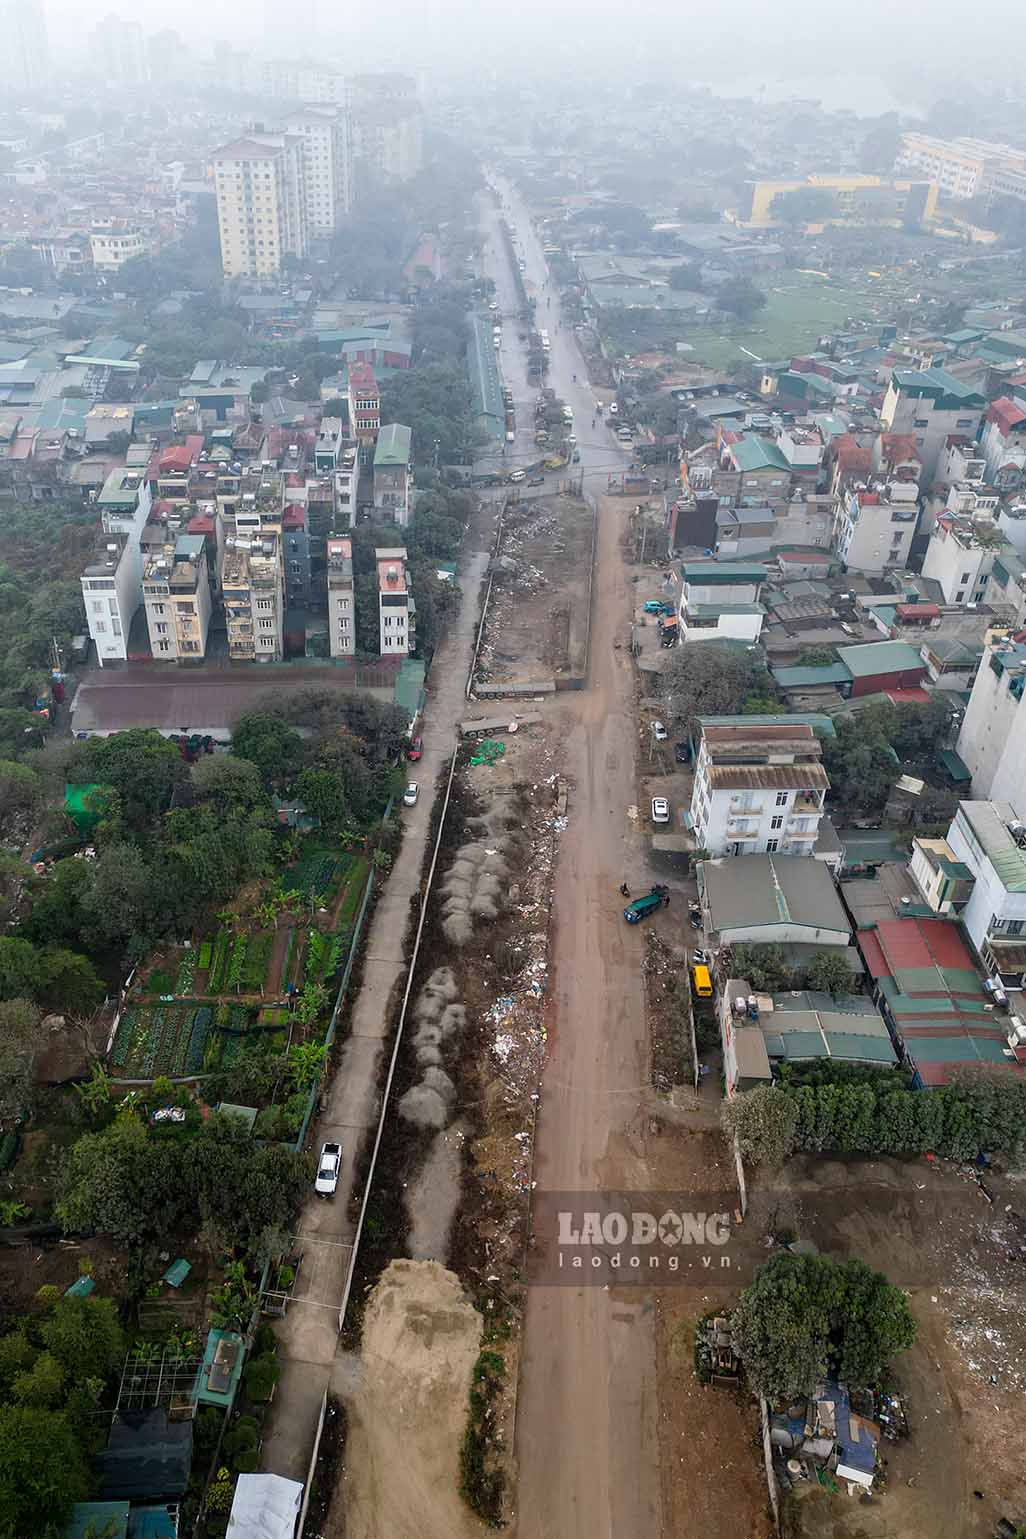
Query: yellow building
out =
(867, 199)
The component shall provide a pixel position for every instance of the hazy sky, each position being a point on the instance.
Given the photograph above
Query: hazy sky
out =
(749, 38)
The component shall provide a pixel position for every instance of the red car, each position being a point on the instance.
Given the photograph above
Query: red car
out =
(415, 749)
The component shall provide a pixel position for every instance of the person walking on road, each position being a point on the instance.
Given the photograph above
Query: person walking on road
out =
(625, 891)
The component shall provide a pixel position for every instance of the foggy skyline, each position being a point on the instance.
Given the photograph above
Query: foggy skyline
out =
(868, 58)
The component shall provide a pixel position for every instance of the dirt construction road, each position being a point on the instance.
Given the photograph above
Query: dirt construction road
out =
(587, 1419)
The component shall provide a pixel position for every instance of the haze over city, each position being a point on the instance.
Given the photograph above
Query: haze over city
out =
(512, 829)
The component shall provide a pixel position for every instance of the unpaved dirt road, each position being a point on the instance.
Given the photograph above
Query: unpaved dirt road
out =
(587, 1421)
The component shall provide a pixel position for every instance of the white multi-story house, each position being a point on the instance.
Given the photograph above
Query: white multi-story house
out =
(176, 593)
(111, 591)
(992, 738)
(1003, 445)
(260, 182)
(931, 405)
(719, 600)
(116, 242)
(758, 790)
(960, 557)
(874, 525)
(341, 599)
(396, 609)
(989, 840)
(327, 161)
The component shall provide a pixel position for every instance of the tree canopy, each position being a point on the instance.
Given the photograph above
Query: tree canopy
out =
(805, 1317)
(709, 678)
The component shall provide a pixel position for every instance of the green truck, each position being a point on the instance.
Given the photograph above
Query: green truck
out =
(635, 912)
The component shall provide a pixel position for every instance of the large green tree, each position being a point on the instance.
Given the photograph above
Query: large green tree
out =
(43, 1471)
(806, 1316)
(266, 740)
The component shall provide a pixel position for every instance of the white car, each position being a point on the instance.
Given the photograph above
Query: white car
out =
(410, 794)
(659, 732)
(328, 1167)
(613, 408)
(518, 475)
(660, 809)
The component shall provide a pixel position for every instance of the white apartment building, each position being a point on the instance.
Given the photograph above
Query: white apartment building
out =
(960, 556)
(758, 790)
(327, 164)
(964, 167)
(26, 44)
(176, 593)
(989, 839)
(117, 244)
(396, 609)
(874, 525)
(260, 181)
(992, 738)
(341, 600)
(119, 52)
(719, 600)
(1003, 445)
(930, 405)
(303, 80)
(111, 593)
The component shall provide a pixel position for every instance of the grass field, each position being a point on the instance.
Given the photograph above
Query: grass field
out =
(799, 309)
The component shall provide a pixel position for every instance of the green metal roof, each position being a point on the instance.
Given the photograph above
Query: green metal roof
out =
(393, 446)
(755, 453)
(940, 385)
(991, 832)
(820, 724)
(710, 611)
(711, 572)
(408, 690)
(955, 767)
(875, 657)
(799, 678)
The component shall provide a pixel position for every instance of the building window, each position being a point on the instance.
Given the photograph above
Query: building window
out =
(163, 646)
(960, 595)
(781, 798)
(965, 577)
(776, 822)
(772, 845)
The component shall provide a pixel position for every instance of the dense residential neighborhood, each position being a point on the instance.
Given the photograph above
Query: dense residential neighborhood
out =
(513, 601)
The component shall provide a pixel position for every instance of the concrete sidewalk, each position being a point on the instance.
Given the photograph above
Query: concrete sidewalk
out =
(308, 1335)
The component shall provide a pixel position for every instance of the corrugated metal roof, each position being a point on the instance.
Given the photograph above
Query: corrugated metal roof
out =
(879, 657)
(988, 824)
(769, 777)
(802, 678)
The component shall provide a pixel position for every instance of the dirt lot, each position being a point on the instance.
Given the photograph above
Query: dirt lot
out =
(406, 1397)
(538, 618)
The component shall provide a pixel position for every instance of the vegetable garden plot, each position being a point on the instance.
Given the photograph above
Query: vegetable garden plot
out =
(317, 871)
(167, 1039)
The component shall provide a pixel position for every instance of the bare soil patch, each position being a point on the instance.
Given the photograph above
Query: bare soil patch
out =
(537, 624)
(406, 1399)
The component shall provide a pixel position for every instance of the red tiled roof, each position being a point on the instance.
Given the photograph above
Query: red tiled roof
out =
(907, 696)
(294, 517)
(1008, 414)
(177, 457)
(917, 611)
(202, 523)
